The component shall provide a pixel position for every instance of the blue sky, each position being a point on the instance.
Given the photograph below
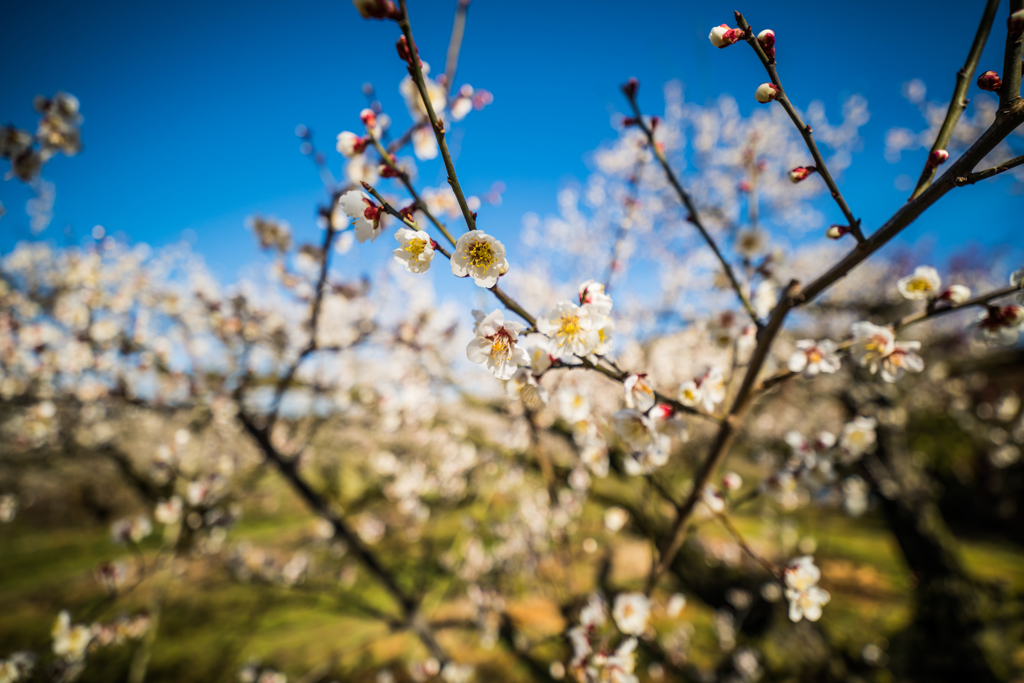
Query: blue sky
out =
(190, 107)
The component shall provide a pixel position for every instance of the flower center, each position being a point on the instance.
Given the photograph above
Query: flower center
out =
(501, 344)
(569, 326)
(415, 246)
(480, 254)
(919, 286)
(813, 356)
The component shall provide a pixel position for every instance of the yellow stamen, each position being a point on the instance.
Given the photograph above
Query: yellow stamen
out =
(415, 246)
(480, 254)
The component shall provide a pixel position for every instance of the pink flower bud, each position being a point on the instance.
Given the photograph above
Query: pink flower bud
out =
(990, 81)
(937, 158)
(766, 92)
(800, 173)
(767, 40)
(630, 88)
(1015, 24)
(368, 117)
(836, 232)
(723, 36)
(745, 186)
(377, 9)
(732, 481)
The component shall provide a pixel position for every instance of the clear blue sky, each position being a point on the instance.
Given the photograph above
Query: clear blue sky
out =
(190, 106)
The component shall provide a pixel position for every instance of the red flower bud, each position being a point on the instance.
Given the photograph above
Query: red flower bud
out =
(1015, 24)
(630, 121)
(630, 88)
(403, 52)
(767, 40)
(368, 118)
(990, 81)
(377, 9)
(766, 92)
(937, 158)
(836, 232)
(800, 173)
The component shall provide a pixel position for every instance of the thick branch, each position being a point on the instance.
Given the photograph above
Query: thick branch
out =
(1010, 92)
(959, 101)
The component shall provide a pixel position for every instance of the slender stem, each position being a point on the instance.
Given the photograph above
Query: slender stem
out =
(805, 131)
(769, 566)
(981, 300)
(404, 177)
(627, 222)
(408, 222)
(416, 72)
(972, 178)
(1010, 92)
(454, 45)
(959, 100)
(684, 196)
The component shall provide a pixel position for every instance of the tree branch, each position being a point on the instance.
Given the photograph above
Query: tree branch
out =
(805, 131)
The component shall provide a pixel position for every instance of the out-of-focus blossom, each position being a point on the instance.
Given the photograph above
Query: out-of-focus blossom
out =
(858, 437)
(805, 597)
(955, 294)
(902, 359)
(812, 358)
(350, 144)
(631, 612)
(367, 214)
(923, 283)
(639, 393)
(801, 173)
(871, 343)
(415, 250)
(1001, 324)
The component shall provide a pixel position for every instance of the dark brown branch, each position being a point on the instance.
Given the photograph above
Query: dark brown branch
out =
(972, 178)
(1012, 55)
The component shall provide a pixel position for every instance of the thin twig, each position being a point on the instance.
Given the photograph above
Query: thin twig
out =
(454, 45)
(416, 72)
(959, 100)
(805, 131)
(694, 217)
(972, 178)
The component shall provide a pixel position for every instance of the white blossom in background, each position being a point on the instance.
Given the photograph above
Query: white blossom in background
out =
(923, 283)
(479, 256)
(766, 296)
(573, 330)
(1001, 325)
(631, 612)
(871, 343)
(858, 437)
(639, 393)
(615, 518)
(956, 294)
(805, 597)
(676, 604)
(496, 346)
(8, 507)
(70, 640)
(902, 359)
(812, 358)
(168, 511)
(415, 250)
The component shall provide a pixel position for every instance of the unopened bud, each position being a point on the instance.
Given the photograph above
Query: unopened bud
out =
(937, 158)
(369, 118)
(377, 9)
(767, 40)
(745, 186)
(403, 51)
(1015, 24)
(800, 173)
(766, 92)
(836, 232)
(732, 481)
(956, 294)
(630, 88)
(723, 36)
(1013, 315)
(990, 81)
(630, 121)
(389, 170)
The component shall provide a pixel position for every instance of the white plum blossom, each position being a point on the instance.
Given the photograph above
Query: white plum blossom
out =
(858, 437)
(676, 604)
(168, 511)
(525, 387)
(871, 343)
(70, 641)
(923, 283)
(766, 296)
(902, 359)
(805, 597)
(496, 346)
(595, 613)
(536, 346)
(639, 393)
(572, 329)
(631, 612)
(1001, 324)
(424, 144)
(956, 294)
(615, 518)
(812, 358)
(705, 391)
(367, 215)
(416, 250)
(479, 256)
(350, 144)
(592, 293)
